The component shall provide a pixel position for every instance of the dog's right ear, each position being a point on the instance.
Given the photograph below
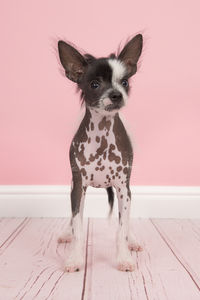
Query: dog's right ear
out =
(72, 61)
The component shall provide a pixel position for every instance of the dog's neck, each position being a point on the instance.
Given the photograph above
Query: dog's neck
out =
(97, 116)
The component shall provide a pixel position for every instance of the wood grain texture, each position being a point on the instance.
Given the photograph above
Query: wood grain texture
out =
(158, 274)
(158, 270)
(9, 230)
(32, 262)
(103, 280)
(32, 266)
(183, 238)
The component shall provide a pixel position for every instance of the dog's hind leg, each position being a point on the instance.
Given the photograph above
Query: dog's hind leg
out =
(132, 244)
(110, 198)
(66, 236)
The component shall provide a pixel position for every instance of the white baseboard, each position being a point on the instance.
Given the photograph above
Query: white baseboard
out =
(54, 201)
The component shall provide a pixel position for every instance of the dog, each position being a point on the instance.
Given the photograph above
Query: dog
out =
(101, 153)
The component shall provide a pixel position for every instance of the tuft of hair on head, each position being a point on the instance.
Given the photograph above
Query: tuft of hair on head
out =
(112, 55)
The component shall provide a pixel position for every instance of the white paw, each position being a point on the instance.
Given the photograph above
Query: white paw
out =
(125, 266)
(66, 237)
(133, 246)
(73, 265)
(125, 263)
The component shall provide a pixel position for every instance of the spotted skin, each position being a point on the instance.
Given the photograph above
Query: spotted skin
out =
(102, 157)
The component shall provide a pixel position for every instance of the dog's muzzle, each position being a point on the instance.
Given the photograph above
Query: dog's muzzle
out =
(116, 99)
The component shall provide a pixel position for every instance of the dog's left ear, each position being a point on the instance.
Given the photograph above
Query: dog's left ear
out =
(131, 53)
(72, 61)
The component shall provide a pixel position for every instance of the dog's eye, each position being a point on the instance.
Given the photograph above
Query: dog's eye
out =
(94, 84)
(125, 82)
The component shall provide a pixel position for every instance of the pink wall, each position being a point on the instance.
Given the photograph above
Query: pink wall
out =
(39, 108)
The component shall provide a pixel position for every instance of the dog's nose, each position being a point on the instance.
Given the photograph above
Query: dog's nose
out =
(115, 96)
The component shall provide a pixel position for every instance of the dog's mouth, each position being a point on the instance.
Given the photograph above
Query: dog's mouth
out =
(112, 107)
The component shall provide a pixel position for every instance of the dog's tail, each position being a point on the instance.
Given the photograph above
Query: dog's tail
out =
(110, 199)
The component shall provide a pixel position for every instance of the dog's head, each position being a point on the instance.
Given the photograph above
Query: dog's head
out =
(104, 82)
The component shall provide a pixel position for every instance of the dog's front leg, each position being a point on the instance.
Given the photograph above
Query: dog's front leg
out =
(124, 258)
(75, 257)
(66, 236)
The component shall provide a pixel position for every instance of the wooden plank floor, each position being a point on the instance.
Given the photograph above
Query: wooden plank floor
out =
(32, 262)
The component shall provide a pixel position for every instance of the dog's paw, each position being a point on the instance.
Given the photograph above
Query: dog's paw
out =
(126, 266)
(125, 262)
(66, 237)
(73, 265)
(133, 246)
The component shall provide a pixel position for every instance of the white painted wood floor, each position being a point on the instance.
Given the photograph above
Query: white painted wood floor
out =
(32, 262)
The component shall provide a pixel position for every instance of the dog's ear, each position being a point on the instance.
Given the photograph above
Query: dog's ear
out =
(72, 61)
(131, 53)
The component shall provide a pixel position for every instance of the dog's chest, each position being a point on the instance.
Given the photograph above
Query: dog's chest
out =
(98, 158)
